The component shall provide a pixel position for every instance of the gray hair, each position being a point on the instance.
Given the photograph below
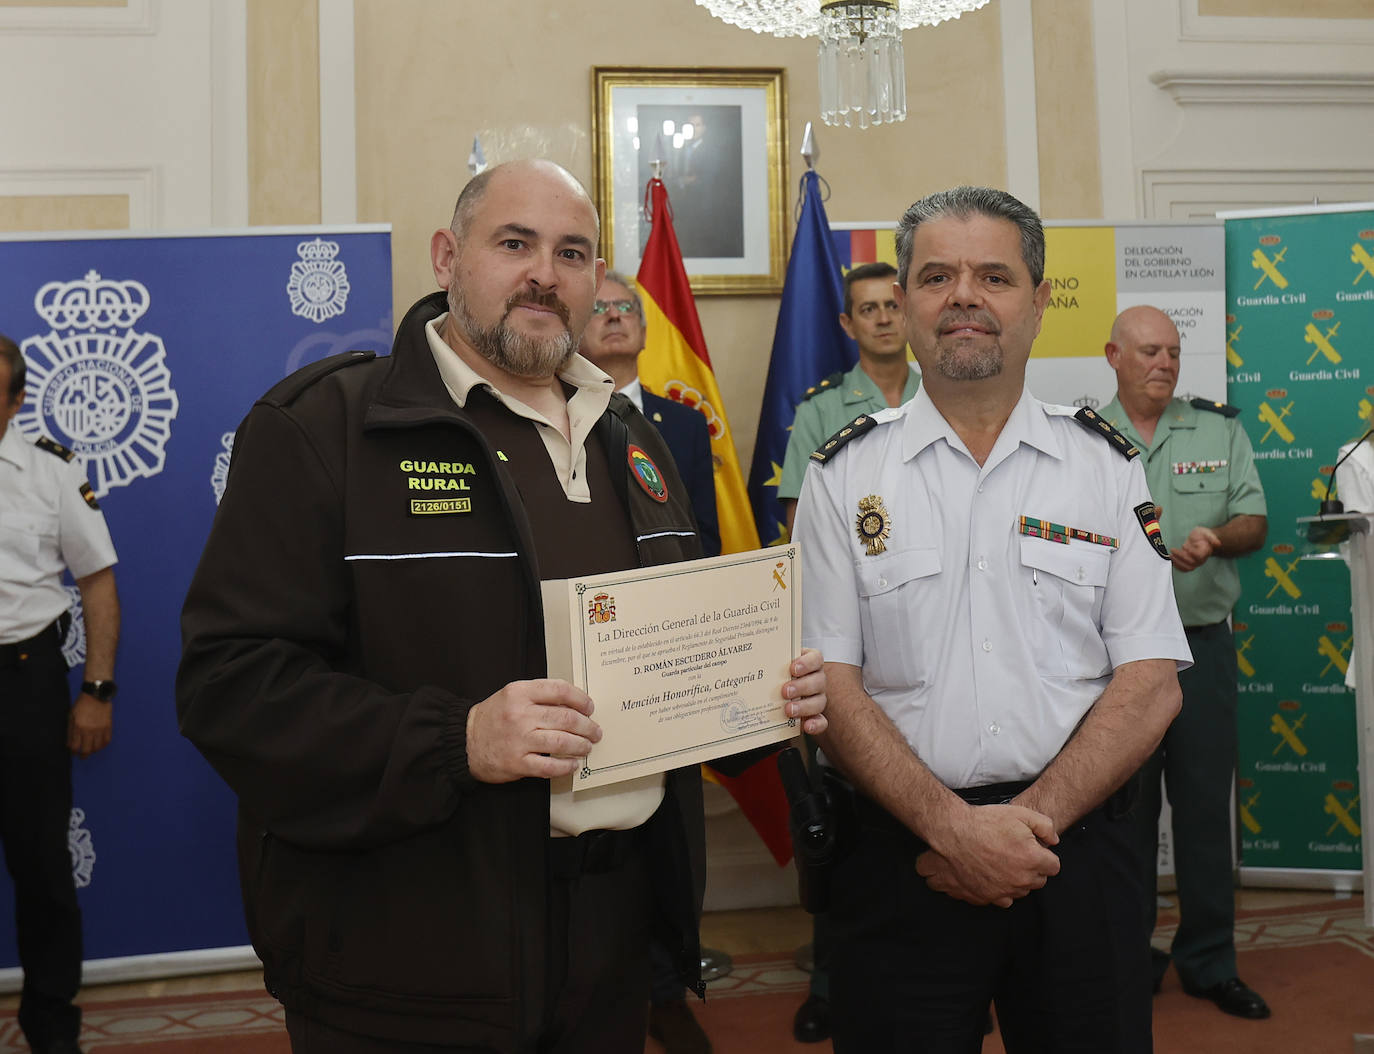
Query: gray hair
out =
(628, 283)
(9, 352)
(963, 203)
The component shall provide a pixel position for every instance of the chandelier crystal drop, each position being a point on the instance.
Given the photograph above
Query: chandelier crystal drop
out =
(862, 64)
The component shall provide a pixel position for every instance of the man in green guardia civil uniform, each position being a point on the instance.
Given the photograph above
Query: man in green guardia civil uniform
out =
(1201, 472)
(883, 376)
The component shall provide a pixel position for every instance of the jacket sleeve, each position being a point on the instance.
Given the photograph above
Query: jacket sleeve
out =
(322, 757)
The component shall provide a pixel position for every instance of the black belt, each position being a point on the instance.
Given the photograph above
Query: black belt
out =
(592, 852)
(50, 637)
(1207, 627)
(869, 813)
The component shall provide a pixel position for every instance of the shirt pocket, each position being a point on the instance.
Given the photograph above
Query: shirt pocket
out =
(25, 535)
(1199, 498)
(897, 593)
(1066, 584)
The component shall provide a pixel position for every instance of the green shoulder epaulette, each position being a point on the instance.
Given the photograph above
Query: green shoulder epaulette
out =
(52, 446)
(286, 390)
(823, 386)
(1098, 425)
(1225, 409)
(857, 427)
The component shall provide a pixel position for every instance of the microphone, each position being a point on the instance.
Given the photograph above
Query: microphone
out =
(1320, 532)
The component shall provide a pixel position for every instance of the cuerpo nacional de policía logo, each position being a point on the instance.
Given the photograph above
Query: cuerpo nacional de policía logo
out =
(95, 384)
(318, 286)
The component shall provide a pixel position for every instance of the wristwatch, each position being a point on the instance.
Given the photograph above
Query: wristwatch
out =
(102, 690)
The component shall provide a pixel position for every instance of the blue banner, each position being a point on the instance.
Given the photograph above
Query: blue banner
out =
(144, 353)
(808, 345)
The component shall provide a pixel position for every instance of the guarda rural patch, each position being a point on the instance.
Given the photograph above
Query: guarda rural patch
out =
(438, 487)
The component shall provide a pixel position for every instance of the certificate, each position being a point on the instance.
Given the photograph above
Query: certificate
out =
(685, 662)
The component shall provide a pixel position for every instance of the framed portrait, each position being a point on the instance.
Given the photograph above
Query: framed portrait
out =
(721, 137)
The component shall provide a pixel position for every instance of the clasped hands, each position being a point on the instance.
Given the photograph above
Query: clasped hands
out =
(992, 854)
(544, 727)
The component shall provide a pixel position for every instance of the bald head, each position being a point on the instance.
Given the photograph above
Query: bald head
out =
(1143, 319)
(471, 195)
(1144, 351)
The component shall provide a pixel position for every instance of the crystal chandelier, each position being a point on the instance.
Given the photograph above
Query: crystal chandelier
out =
(862, 67)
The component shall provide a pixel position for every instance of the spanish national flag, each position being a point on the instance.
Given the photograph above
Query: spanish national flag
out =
(675, 364)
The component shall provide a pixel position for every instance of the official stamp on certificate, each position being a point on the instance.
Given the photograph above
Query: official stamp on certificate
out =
(685, 662)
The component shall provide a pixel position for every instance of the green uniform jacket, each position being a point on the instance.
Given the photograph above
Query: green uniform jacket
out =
(1201, 470)
(825, 409)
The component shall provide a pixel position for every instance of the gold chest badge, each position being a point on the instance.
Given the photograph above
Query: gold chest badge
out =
(873, 523)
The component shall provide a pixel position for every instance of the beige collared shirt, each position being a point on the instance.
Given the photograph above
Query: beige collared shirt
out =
(619, 806)
(585, 407)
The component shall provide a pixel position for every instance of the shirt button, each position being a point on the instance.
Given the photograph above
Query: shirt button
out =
(995, 729)
(882, 583)
(987, 645)
(982, 563)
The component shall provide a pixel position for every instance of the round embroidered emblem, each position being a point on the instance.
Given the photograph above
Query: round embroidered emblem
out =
(644, 469)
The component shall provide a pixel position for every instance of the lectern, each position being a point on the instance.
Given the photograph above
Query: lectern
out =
(1359, 550)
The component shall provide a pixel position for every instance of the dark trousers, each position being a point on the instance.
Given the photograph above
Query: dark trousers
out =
(1198, 763)
(914, 970)
(35, 810)
(597, 966)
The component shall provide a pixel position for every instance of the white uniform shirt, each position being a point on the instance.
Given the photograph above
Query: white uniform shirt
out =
(985, 646)
(46, 525)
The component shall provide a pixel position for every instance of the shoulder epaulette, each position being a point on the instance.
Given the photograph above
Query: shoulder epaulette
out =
(1099, 425)
(823, 386)
(52, 446)
(1225, 409)
(857, 427)
(286, 390)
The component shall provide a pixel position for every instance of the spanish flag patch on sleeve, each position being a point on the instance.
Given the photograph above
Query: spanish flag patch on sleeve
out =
(1149, 523)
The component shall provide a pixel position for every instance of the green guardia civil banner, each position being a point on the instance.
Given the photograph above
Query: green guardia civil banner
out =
(1300, 327)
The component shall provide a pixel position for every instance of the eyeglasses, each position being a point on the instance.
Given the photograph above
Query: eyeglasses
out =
(625, 307)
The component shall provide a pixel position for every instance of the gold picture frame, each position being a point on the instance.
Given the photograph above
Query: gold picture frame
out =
(723, 166)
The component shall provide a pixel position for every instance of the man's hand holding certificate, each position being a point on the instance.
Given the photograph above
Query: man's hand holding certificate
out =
(685, 662)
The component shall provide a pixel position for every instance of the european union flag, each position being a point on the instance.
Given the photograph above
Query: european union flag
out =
(808, 345)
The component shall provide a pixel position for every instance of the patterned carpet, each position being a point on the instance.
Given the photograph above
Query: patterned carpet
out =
(1314, 964)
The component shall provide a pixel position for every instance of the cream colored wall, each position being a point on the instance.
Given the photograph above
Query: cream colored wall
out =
(283, 112)
(64, 212)
(1286, 8)
(518, 74)
(1066, 110)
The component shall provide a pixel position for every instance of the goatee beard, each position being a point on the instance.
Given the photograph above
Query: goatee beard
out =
(970, 364)
(514, 352)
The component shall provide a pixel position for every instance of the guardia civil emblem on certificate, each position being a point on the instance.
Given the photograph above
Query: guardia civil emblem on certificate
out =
(318, 286)
(873, 524)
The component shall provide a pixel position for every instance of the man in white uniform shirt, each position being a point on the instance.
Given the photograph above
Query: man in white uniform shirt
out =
(49, 522)
(984, 575)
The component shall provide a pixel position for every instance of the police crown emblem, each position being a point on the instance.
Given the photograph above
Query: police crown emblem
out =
(318, 286)
(95, 384)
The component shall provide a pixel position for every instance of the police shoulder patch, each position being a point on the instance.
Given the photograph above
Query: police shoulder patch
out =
(89, 495)
(1099, 426)
(1225, 409)
(857, 427)
(1148, 515)
(52, 446)
(824, 386)
(285, 391)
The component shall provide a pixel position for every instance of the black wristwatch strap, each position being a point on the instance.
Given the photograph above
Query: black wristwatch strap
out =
(102, 690)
